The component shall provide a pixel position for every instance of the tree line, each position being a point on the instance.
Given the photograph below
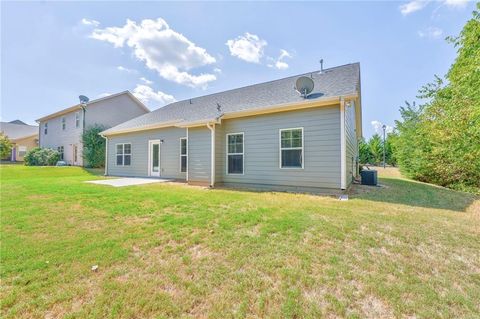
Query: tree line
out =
(438, 141)
(371, 151)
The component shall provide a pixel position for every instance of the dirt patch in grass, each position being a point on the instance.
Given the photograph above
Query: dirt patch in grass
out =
(373, 308)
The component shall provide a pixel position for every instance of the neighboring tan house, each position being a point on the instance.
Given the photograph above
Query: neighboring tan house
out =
(63, 130)
(263, 136)
(24, 137)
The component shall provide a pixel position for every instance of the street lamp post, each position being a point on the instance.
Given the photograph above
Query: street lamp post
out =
(384, 127)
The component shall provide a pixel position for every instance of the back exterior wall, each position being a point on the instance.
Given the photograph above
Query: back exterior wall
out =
(169, 153)
(321, 129)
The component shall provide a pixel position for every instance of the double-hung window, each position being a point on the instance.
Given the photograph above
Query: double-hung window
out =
(235, 153)
(60, 150)
(124, 154)
(183, 154)
(291, 148)
(64, 123)
(77, 119)
(45, 128)
(22, 150)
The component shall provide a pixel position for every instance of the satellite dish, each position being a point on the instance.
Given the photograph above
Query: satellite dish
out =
(304, 86)
(83, 99)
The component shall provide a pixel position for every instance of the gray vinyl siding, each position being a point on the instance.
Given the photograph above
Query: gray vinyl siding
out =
(113, 111)
(107, 112)
(262, 170)
(219, 153)
(57, 137)
(351, 142)
(169, 153)
(199, 154)
(321, 128)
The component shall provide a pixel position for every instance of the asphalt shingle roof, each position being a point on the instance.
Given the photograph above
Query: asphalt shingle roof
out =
(15, 131)
(337, 81)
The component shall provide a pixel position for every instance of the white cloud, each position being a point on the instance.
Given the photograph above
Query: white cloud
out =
(456, 3)
(377, 126)
(124, 69)
(146, 94)
(217, 70)
(91, 22)
(248, 47)
(279, 63)
(430, 32)
(146, 81)
(162, 49)
(412, 6)
(417, 5)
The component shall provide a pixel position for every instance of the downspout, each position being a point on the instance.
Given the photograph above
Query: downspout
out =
(343, 149)
(84, 109)
(212, 160)
(106, 155)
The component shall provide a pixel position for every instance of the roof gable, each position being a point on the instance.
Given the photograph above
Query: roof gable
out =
(16, 131)
(78, 106)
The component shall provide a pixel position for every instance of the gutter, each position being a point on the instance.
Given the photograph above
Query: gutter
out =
(143, 128)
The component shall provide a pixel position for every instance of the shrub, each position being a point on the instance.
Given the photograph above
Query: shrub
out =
(41, 157)
(94, 146)
(5, 146)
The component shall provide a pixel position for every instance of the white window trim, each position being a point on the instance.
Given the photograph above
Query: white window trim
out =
(22, 148)
(64, 123)
(243, 153)
(77, 119)
(123, 154)
(186, 154)
(150, 157)
(290, 148)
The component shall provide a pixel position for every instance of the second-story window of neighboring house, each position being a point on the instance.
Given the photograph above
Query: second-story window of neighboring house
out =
(64, 124)
(45, 128)
(60, 150)
(77, 119)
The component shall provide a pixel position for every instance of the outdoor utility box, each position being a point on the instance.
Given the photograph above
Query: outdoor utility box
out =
(369, 177)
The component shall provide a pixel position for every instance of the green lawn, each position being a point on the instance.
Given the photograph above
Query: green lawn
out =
(167, 250)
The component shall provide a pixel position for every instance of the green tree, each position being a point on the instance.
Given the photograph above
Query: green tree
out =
(365, 156)
(94, 146)
(5, 146)
(390, 157)
(375, 145)
(439, 141)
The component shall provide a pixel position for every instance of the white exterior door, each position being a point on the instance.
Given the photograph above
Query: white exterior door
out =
(154, 158)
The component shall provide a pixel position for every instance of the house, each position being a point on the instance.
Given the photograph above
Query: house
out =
(263, 136)
(63, 130)
(23, 137)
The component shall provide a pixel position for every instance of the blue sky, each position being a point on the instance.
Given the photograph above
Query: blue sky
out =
(54, 51)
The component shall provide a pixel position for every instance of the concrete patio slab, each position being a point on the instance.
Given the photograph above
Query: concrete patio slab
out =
(128, 181)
